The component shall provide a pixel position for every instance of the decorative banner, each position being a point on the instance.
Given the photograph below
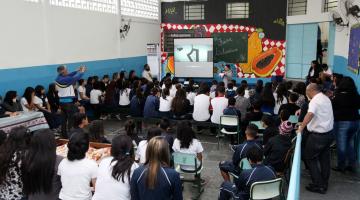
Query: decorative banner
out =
(354, 49)
(266, 57)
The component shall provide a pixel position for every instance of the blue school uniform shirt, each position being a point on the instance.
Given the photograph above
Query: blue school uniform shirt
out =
(247, 177)
(65, 87)
(242, 149)
(151, 109)
(168, 185)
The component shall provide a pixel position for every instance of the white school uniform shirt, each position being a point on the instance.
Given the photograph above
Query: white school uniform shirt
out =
(39, 102)
(323, 120)
(81, 89)
(95, 96)
(201, 108)
(75, 178)
(24, 102)
(278, 104)
(246, 95)
(218, 104)
(165, 104)
(147, 75)
(173, 91)
(191, 96)
(141, 152)
(124, 99)
(194, 148)
(107, 187)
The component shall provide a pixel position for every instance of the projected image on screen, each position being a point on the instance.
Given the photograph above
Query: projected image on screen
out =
(193, 57)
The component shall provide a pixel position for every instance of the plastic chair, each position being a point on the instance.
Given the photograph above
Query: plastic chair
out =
(294, 119)
(244, 164)
(258, 124)
(266, 189)
(228, 121)
(189, 160)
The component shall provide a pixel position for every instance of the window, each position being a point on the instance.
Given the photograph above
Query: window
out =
(297, 7)
(237, 10)
(148, 9)
(107, 6)
(194, 12)
(330, 5)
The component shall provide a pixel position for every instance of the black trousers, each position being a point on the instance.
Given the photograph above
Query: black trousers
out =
(317, 157)
(68, 111)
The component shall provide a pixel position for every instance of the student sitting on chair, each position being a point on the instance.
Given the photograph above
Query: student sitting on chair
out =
(291, 105)
(270, 128)
(276, 149)
(240, 151)
(140, 155)
(165, 132)
(230, 92)
(241, 189)
(231, 110)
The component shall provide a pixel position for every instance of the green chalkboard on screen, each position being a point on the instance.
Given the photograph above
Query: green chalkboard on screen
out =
(231, 47)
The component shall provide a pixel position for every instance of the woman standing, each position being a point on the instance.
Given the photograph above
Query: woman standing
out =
(227, 75)
(314, 71)
(345, 106)
(41, 162)
(280, 97)
(156, 180)
(115, 172)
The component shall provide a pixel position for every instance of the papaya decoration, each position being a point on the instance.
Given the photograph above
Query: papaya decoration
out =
(254, 49)
(170, 64)
(264, 64)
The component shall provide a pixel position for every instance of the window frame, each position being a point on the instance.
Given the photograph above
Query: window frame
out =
(294, 10)
(244, 8)
(187, 13)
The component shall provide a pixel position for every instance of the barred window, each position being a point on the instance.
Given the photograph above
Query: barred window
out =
(237, 10)
(330, 5)
(148, 9)
(297, 7)
(107, 6)
(194, 12)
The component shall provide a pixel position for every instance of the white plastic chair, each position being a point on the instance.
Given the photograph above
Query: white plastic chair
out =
(228, 121)
(244, 164)
(266, 189)
(294, 119)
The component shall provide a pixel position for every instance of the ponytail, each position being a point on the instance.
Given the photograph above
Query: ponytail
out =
(123, 153)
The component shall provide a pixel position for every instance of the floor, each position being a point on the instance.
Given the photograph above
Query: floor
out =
(342, 186)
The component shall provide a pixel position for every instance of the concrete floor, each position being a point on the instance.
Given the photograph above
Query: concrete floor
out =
(341, 186)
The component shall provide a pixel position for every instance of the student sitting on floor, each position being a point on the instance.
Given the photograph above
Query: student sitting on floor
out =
(291, 106)
(241, 189)
(80, 122)
(270, 128)
(276, 149)
(130, 131)
(152, 103)
(239, 153)
(165, 103)
(140, 155)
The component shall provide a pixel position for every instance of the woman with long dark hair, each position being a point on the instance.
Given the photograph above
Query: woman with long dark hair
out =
(42, 104)
(280, 97)
(11, 154)
(267, 99)
(76, 171)
(165, 103)
(132, 76)
(347, 125)
(10, 102)
(152, 103)
(27, 101)
(156, 179)
(180, 106)
(115, 172)
(186, 142)
(130, 126)
(314, 71)
(89, 85)
(124, 95)
(137, 104)
(40, 166)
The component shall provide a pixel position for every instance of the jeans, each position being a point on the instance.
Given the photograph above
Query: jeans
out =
(345, 140)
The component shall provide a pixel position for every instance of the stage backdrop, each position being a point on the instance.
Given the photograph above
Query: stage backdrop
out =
(253, 47)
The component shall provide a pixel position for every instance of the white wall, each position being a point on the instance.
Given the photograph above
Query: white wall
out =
(34, 34)
(314, 14)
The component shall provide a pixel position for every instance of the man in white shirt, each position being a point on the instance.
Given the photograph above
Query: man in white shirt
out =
(319, 122)
(202, 104)
(219, 104)
(147, 73)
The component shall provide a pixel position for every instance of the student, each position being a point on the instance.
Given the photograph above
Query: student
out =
(130, 131)
(255, 114)
(10, 102)
(41, 161)
(155, 179)
(140, 155)
(291, 106)
(300, 89)
(27, 101)
(242, 103)
(152, 103)
(245, 85)
(258, 91)
(240, 152)
(230, 92)
(231, 110)
(53, 99)
(42, 104)
(277, 147)
(96, 99)
(124, 95)
(96, 132)
(165, 103)
(4, 113)
(11, 154)
(80, 122)
(147, 73)
(165, 132)
(186, 142)
(241, 188)
(201, 111)
(218, 105)
(89, 85)
(314, 71)
(83, 99)
(213, 87)
(76, 171)
(234, 85)
(104, 82)
(270, 130)
(190, 93)
(114, 172)
(180, 106)
(280, 97)
(267, 99)
(137, 104)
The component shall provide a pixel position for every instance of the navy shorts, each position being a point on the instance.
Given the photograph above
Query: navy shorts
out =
(229, 167)
(228, 190)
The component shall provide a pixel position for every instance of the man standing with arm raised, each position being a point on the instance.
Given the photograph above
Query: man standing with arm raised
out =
(64, 84)
(319, 122)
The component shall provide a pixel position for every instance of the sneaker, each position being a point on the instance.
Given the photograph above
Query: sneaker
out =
(118, 117)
